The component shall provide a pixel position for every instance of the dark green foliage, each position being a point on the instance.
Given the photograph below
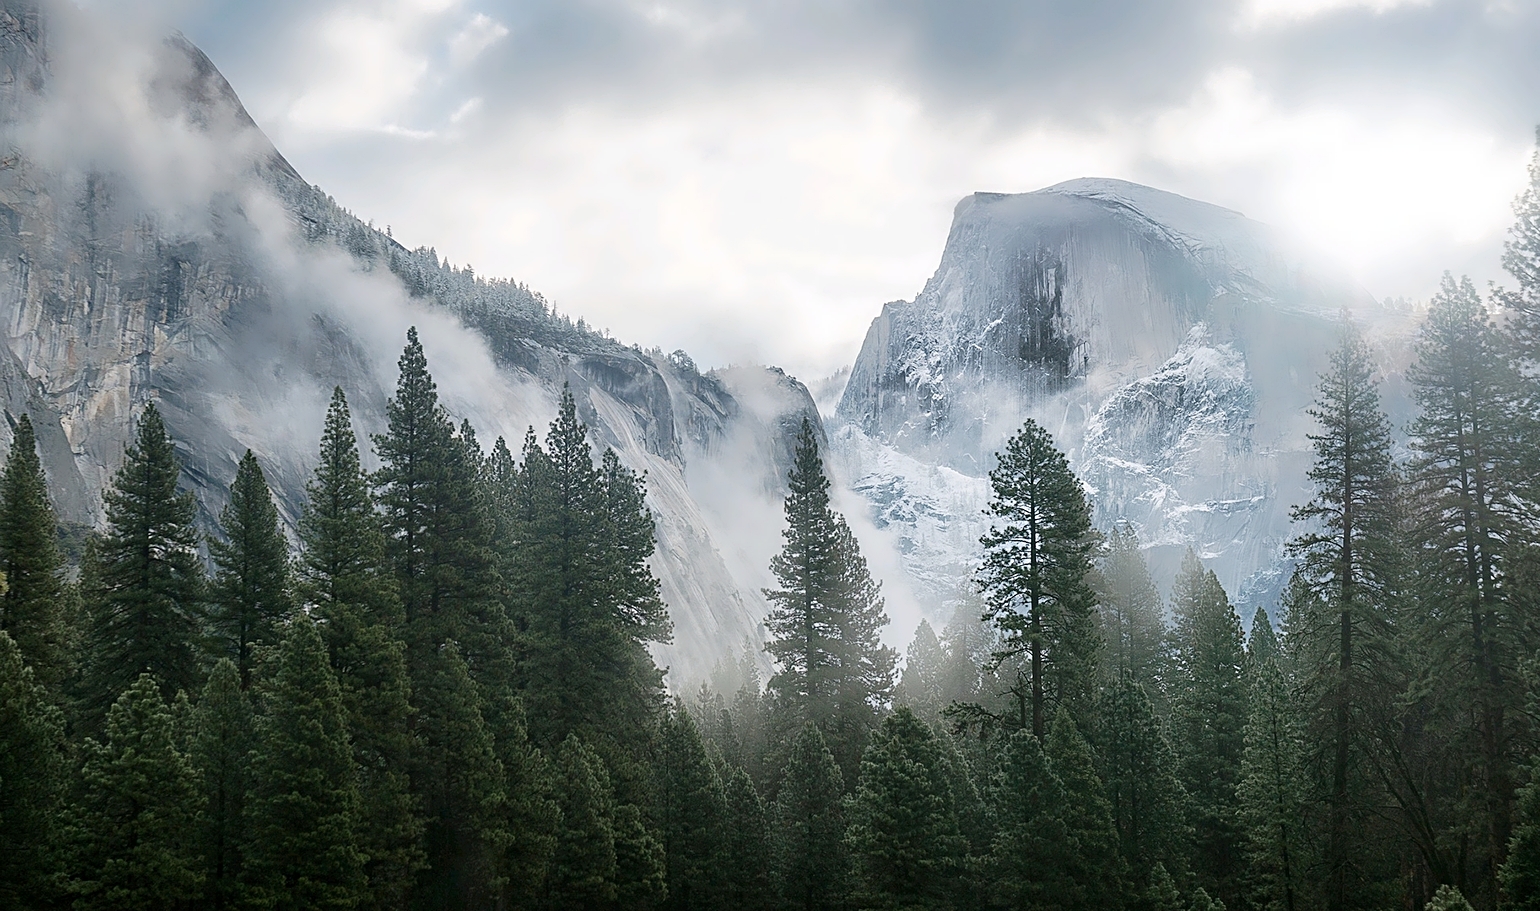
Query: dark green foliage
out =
(1201, 901)
(1096, 867)
(302, 813)
(809, 865)
(904, 840)
(249, 597)
(1350, 561)
(1137, 643)
(132, 825)
(1138, 766)
(1208, 720)
(583, 598)
(1033, 854)
(1471, 542)
(32, 607)
(1448, 898)
(583, 867)
(640, 877)
(143, 585)
(1521, 873)
(1272, 785)
(459, 780)
(1161, 894)
(826, 619)
(1037, 560)
(341, 578)
(691, 814)
(32, 767)
(746, 861)
(222, 741)
(528, 815)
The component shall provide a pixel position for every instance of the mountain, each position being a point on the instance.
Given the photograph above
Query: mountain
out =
(1171, 347)
(155, 246)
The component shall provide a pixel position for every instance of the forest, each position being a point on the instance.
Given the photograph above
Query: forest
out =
(443, 698)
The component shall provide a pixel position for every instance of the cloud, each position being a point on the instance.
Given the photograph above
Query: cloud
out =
(479, 34)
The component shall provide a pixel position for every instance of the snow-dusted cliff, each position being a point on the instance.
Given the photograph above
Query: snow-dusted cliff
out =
(155, 246)
(1171, 347)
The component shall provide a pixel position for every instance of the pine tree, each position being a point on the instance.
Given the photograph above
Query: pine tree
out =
(1097, 868)
(1202, 901)
(1521, 259)
(1133, 627)
(809, 864)
(903, 833)
(302, 815)
(32, 757)
(460, 783)
(1036, 562)
(691, 814)
(1033, 852)
(220, 753)
(32, 606)
(923, 685)
(582, 595)
(825, 618)
(1470, 532)
(528, 814)
(1271, 788)
(341, 578)
(131, 827)
(146, 581)
(583, 867)
(1348, 557)
(1161, 895)
(249, 597)
(746, 883)
(1139, 772)
(1209, 713)
(1448, 898)
(641, 880)
(1520, 876)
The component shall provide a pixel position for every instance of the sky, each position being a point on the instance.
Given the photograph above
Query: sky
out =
(750, 181)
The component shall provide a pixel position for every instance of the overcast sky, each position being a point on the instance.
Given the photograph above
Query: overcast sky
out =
(752, 180)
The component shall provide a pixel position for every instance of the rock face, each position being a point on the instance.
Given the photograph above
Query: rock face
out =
(1170, 346)
(169, 253)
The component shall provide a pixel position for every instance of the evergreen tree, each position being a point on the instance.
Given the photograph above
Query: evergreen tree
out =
(1036, 562)
(923, 685)
(825, 618)
(32, 605)
(809, 864)
(145, 579)
(1348, 558)
(1033, 851)
(32, 754)
(341, 578)
(583, 598)
(903, 833)
(746, 885)
(1448, 898)
(1521, 259)
(1133, 628)
(1209, 719)
(583, 867)
(221, 758)
(131, 827)
(1272, 780)
(1521, 873)
(249, 597)
(1139, 772)
(691, 814)
(640, 862)
(460, 783)
(1202, 901)
(529, 814)
(302, 815)
(1096, 866)
(1161, 895)
(1470, 532)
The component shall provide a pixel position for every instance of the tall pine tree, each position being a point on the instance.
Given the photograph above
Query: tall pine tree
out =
(32, 606)
(809, 864)
(131, 827)
(249, 597)
(691, 814)
(32, 778)
(832, 669)
(1349, 559)
(145, 597)
(1037, 559)
(220, 753)
(302, 815)
(1272, 784)
(1138, 768)
(1132, 618)
(1033, 855)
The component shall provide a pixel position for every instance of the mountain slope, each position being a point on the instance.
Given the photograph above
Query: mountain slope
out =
(155, 246)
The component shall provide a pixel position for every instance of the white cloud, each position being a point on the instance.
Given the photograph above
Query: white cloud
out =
(479, 34)
(1258, 14)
